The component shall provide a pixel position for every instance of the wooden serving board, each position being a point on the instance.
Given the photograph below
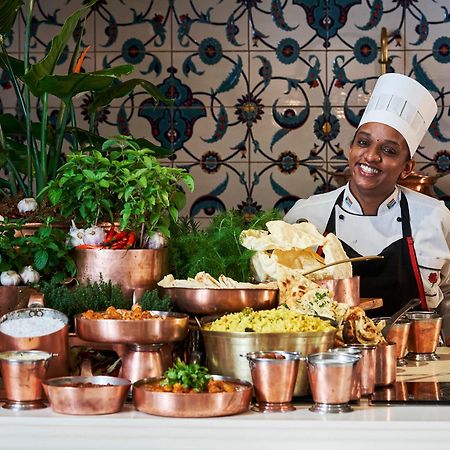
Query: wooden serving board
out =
(370, 303)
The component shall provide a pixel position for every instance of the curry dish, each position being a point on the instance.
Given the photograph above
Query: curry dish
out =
(136, 313)
(213, 387)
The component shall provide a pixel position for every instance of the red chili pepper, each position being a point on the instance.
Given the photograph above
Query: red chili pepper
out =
(131, 239)
(110, 235)
(119, 236)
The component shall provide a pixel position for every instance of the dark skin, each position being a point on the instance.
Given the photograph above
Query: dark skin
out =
(378, 157)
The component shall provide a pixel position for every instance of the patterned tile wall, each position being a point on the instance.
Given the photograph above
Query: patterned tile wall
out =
(267, 92)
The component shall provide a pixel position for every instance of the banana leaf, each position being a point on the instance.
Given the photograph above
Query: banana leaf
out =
(8, 13)
(118, 91)
(47, 65)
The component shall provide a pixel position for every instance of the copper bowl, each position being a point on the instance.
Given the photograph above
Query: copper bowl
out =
(203, 404)
(171, 327)
(106, 397)
(216, 301)
(424, 332)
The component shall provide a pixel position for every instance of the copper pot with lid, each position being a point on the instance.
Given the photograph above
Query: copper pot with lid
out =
(54, 342)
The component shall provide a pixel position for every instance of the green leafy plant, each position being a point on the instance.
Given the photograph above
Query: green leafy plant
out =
(30, 152)
(120, 182)
(151, 301)
(95, 296)
(190, 376)
(216, 249)
(45, 250)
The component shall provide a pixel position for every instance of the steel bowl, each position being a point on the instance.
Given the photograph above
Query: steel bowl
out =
(223, 350)
(217, 301)
(172, 327)
(203, 404)
(107, 397)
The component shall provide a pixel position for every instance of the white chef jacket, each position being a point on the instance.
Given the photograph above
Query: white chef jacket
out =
(369, 235)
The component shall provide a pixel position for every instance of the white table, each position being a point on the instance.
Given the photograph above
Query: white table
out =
(366, 428)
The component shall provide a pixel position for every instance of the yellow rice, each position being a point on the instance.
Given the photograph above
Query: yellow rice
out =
(279, 320)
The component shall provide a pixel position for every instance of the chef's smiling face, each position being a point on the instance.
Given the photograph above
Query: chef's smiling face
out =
(378, 157)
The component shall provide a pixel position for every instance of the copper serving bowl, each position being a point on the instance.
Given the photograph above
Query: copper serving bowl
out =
(107, 396)
(216, 301)
(203, 404)
(170, 327)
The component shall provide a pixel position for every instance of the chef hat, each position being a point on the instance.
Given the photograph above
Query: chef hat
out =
(403, 104)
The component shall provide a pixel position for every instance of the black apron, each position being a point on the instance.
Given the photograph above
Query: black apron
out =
(395, 278)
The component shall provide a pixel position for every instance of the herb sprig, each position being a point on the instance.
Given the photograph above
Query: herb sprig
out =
(190, 376)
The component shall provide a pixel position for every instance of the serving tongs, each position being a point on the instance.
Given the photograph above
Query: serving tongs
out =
(342, 261)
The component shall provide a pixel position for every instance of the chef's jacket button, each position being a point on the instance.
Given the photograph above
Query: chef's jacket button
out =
(399, 219)
(341, 217)
(301, 220)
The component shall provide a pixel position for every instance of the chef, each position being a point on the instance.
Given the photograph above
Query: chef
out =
(373, 215)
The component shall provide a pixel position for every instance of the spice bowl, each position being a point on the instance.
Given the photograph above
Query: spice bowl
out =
(424, 335)
(274, 374)
(23, 373)
(386, 364)
(331, 379)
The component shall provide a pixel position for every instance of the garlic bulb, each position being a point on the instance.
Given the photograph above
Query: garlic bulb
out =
(156, 241)
(27, 205)
(76, 235)
(94, 235)
(29, 275)
(10, 278)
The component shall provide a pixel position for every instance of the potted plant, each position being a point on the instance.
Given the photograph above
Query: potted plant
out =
(31, 152)
(125, 185)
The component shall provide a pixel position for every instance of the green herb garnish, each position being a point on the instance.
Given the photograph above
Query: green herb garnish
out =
(190, 376)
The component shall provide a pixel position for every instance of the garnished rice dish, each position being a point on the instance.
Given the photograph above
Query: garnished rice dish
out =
(279, 320)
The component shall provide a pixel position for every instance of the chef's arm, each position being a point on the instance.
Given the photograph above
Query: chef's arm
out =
(444, 308)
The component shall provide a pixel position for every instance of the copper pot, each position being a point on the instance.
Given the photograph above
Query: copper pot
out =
(23, 373)
(346, 290)
(56, 342)
(424, 333)
(386, 364)
(135, 270)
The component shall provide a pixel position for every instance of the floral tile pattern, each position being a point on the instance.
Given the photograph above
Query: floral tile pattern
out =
(266, 93)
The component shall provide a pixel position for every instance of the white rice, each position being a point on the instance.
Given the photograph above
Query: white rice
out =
(31, 326)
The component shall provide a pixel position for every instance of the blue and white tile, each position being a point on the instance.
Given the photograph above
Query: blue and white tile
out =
(196, 20)
(347, 77)
(290, 82)
(147, 23)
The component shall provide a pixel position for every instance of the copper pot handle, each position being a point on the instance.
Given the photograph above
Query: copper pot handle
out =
(36, 300)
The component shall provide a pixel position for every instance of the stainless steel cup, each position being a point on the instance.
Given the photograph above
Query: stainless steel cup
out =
(368, 367)
(386, 364)
(274, 374)
(23, 373)
(331, 379)
(356, 375)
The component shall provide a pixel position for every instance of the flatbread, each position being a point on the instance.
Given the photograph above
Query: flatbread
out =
(298, 235)
(258, 240)
(293, 285)
(298, 259)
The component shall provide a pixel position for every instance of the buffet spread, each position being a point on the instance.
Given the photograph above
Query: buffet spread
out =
(262, 346)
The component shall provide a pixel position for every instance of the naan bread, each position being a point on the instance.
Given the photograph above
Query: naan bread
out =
(257, 240)
(293, 285)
